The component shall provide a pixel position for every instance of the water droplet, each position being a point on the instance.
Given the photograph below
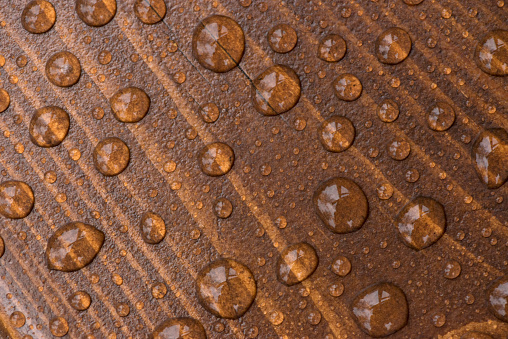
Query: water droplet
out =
(49, 126)
(216, 159)
(150, 11)
(452, 269)
(332, 48)
(492, 53)
(421, 222)
(341, 266)
(381, 309)
(314, 317)
(80, 300)
(226, 288)
(16, 199)
(281, 222)
(336, 290)
(222, 208)
(441, 117)
(296, 263)
(73, 246)
(412, 175)
(393, 46)
(336, 134)
(104, 57)
(153, 228)
(58, 326)
(399, 148)
(498, 298)
(123, 309)
(130, 104)
(63, 69)
(341, 205)
(96, 13)
(347, 87)
(439, 320)
(2, 247)
(38, 16)
(276, 317)
(413, 2)
(384, 191)
(111, 156)
(490, 154)
(209, 112)
(170, 166)
(282, 38)
(218, 43)
(276, 90)
(159, 290)
(388, 111)
(5, 100)
(17, 319)
(180, 328)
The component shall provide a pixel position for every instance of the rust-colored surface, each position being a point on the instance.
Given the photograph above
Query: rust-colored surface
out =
(252, 196)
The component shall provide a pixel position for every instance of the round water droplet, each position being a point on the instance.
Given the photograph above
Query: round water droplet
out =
(399, 148)
(209, 112)
(150, 11)
(452, 269)
(475, 335)
(5, 100)
(159, 290)
(49, 126)
(96, 13)
(73, 246)
(179, 328)
(276, 90)
(123, 309)
(413, 2)
(393, 46)
(226, 288)
(421, 222)
(296, 263)
(380, 310)
(441, 117)
(38, 16)
(388, 111)
(341, 266)
(222, 208)
(17, 319)
(276, 317)
(111, 156)
(490, 154)
(16, 199)
(492, 53)
(153, 228)
(497, 297)
(80, 300)
(347, 87)
(218, 43)
(439, 320)
(282, 38)
(58, 326)
(130, 104)
(336, 134)
(341, 204)
(63, 69)
(336, 290)
(2, 247)
(216, 159)
(384, 191)
(332, 48)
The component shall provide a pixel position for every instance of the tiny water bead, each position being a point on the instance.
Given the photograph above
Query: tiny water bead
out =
(347, 87)
(218, 43)
(492, 53)
(332, 48)
(421, 222)
(49, 126)
(497, 297)
(38, 16)
(341, 266)
(296, 263)
(276, 90)
(80, 300)
(399, 148)
(58, 326)
(111, 156)
(16, 199)
(336, 134)
(388, 111)
(209, 112)
(96, 13)
(452, 269)
(226, 288)
(63, 69)
(216, 159)
(130, 104)
(73, 246)
(282, 38)
(490, 156)
(179, 328)
(381, 309)
(222, 208)
(150, 11)
(5, 100)
(341, 204)
(153, 228)
(393, 46)
(441, 117)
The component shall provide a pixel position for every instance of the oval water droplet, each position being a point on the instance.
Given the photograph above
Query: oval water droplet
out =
(96, 13)
(393, 46)
(332, 48)
(180, 328)
(492, 53)
(153, 228)
(16, 199)
(341, 204)
(347, 87)
(49, 126)
(216, 159)
(73, 246)
(111, 156)
(497, 296)
(490, 156)
(282, 38)
(63, 69)
(296, 263)
(130, 104)
(150, 11)
(38, 16)
(5, 100)
(441, 117)
(336, 134)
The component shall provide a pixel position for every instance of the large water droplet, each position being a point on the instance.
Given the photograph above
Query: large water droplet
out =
(282, 38)
(153, 228)
(218, 43)
(96, 13)
(150, 11)
(276, 90)
(393, 46)
(498, 298)
(111, 156)
(38, 16)
(49, 126)
(73, 246)
(216, 159)
(421, 222)
(492, 53)
(441, 117)
(336, 134)
(63, 69)
(490, 156)
(130, 104)
(226, 288)
(296, 263)
(381, 309)
(16, 199)
(5, 100)
(332, 48)
(341, 204)
(347, 87)
(179, 328)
